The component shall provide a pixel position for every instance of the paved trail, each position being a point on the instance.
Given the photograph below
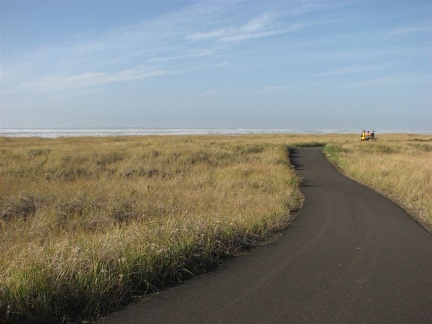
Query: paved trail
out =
(350, 256)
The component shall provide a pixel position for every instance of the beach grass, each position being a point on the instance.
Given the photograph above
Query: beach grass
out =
(88, 224)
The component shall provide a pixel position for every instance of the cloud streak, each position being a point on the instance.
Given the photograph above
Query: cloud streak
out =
(264, 25)
(389, 80)
(72, 64)
(267, 90)
(210, 93)
(350, 70)
(409, 30)
(61, 83)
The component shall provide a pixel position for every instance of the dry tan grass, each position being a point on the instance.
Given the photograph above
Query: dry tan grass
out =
(87, 223)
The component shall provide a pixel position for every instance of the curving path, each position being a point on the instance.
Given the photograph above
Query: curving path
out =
(350, 256)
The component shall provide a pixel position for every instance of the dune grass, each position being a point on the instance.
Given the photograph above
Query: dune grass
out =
(88, 224)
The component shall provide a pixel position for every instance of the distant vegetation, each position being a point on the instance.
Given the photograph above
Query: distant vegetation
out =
(88, 224)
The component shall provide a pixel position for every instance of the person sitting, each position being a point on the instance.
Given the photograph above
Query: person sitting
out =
(368, 135)
(362, 136)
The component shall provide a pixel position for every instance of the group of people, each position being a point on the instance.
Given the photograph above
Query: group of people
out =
(367, 135)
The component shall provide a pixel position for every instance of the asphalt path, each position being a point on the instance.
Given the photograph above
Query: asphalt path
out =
(350, 256)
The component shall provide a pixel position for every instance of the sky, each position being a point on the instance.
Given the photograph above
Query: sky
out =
(294, 64)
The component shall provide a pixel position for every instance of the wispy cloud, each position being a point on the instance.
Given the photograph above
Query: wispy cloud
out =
(389, 80)
(350, 70)
(221, 64)
(99, 58)
(274, 88)
(60, 83)
(201, 35)
(264, 25)
(409, 30)
(198, 53)
(271, 89)
(209, 93)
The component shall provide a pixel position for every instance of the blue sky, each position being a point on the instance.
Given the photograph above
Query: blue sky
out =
(327, 65)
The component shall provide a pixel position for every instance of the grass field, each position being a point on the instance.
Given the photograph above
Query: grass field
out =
(88, 224)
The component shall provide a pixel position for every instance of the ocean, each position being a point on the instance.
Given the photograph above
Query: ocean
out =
(54, 133)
